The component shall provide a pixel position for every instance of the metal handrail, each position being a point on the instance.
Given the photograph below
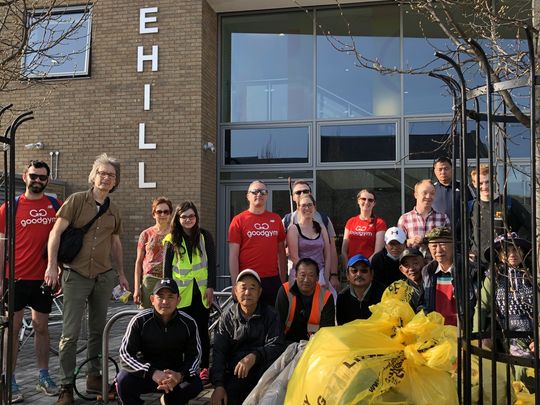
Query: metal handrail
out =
(105, 351)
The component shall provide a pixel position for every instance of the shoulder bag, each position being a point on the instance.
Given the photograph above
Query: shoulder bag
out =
(71, 240)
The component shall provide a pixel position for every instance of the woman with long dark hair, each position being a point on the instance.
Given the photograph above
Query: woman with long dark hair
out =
(190, 259)
(364, 233)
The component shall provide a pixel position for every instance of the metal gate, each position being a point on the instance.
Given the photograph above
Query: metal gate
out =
(6, 319)
(487, 364)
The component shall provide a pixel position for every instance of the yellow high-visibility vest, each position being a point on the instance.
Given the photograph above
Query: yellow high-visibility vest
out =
(185, 273)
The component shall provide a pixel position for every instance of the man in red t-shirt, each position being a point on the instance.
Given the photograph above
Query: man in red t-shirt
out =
(35, 214)
(257, 241)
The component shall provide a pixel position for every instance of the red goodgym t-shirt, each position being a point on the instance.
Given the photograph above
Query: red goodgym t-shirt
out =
(362, 235)
(258, 236)
(34, 220)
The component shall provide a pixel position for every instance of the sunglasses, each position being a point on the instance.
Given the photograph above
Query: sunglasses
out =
(355, 270)
(261, 191)
(163, 212)
(305, 191)
(367, 199)
(42, 177)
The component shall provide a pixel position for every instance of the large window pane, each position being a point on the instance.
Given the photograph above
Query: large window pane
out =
(429, 140)
(267, 67)
(423, 94)
(337, 189)
(58, 45)
(518, 140)
(358, 143)
(266, 145)
(345, 90)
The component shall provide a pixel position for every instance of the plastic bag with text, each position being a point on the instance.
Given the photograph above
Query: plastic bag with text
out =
(394, 357)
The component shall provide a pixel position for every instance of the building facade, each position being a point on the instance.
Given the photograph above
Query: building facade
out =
(198, 98)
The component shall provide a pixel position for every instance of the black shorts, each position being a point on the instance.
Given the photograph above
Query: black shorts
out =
(29, 293)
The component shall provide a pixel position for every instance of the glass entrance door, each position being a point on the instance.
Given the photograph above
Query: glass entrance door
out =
(234, 202)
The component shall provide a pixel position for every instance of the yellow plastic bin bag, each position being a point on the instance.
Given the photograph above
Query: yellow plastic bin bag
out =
(394, 357)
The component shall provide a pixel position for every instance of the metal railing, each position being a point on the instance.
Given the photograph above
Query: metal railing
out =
(473, 352)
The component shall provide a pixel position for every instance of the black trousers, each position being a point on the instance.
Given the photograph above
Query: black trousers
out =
(130, 387)
(200, 314)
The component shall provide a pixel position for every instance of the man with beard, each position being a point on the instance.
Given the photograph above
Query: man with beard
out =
(354, 301)
(35, 215)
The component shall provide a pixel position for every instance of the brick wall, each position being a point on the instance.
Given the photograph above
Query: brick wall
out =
(84, 117)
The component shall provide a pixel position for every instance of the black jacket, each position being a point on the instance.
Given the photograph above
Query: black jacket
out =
(237, 337)
(349, 308)
(429, 279)
(298, 330)
(150, 345)
(385, 269)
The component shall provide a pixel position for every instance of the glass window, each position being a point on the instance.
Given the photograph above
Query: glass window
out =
(518, 140)
(358, 143)
(344, 89)
(519, 183)
(421, 38)
(337, 189)
(267, 67)
(429, 140)
(59, 44)
(266, 145)
(413, 176)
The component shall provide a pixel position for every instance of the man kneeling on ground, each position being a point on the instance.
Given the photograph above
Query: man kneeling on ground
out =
(248, 340)
(160, 351)
(305, 306)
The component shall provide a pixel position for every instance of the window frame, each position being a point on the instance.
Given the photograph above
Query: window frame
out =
(85, 19)
(265, 166)
(359, 163)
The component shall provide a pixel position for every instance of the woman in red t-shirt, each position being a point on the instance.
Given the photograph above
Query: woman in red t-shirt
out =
(150, 252)
(364, 233)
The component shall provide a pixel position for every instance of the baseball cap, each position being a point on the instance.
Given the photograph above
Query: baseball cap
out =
(248, 272)
(358, 258)
(409, 253)
(167, 283)
(394, 233)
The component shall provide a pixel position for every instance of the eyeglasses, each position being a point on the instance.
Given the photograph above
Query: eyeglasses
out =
(42, 177)
(367, 199)
(106, 174)
(187, 217)
(308, 205)
(304, 191)
(162, 212)
(261, 191)
(355, 270)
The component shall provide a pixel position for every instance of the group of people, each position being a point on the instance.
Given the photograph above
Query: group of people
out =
(88, 280)
(285, 273)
